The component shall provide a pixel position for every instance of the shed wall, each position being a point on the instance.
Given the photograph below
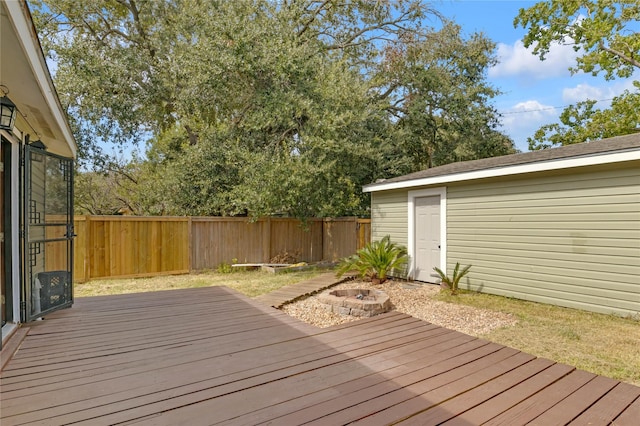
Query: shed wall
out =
(572, 240)
(389, 216)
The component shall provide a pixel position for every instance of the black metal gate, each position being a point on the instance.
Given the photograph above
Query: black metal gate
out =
(48, 233)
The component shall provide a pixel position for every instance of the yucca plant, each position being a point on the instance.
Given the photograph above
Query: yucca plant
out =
(376, 260)
(453, 281)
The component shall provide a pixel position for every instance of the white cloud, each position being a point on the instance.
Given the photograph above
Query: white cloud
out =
(517, 60)
(524, 118)
(605, 92)
(528, 113)
(582, 92)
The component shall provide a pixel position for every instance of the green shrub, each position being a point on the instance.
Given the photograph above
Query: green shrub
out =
(376, 260)
(226, 268)
(452, 282)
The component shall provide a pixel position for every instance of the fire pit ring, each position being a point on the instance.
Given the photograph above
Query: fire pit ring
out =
(356, 302)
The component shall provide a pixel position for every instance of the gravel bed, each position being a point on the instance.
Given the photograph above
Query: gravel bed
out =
(412, 299)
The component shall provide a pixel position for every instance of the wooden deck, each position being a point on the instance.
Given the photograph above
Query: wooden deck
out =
(293, 292)
(212, 356)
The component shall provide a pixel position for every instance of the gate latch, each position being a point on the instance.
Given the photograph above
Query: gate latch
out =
(70, 234)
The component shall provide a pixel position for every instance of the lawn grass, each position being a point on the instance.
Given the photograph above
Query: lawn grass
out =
(250, 283)
(603, 344)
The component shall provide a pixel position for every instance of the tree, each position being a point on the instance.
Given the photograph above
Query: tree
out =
(260, 107)
(94, 194)
(119, 188)
(129, 67)
(582, 122)
(601, 32)
(439, 96)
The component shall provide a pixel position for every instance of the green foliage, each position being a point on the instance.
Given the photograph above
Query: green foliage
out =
(582, 122)
(227, 268)
(453, 281)
(262, 107)
(441, 102)
(94, 194)
(376, 260)
(604, 35)
(224, 268)
(600, 30)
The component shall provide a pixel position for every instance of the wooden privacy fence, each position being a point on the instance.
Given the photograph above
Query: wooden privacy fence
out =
(132, 246)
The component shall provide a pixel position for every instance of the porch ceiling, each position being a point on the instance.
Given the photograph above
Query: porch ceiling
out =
(24, 72)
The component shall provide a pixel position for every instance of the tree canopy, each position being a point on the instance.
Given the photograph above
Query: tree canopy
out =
(260, 107)
(605, 35)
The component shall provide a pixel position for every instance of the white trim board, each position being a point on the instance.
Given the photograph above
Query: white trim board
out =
(15, 226)
(411, 243)
(565, 163)
(14, 177)
(25, 32)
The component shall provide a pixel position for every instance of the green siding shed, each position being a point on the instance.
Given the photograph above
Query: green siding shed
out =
(560, 226)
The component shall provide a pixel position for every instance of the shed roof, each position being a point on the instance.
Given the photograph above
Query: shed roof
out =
(611, 150)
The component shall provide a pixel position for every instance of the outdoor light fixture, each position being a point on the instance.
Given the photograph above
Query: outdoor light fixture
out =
(35, 156)
(7, 110)
(38, 144)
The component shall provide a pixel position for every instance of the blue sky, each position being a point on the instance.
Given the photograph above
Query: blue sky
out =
(535, 92)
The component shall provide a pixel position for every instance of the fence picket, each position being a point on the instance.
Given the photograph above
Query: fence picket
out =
(134, 246)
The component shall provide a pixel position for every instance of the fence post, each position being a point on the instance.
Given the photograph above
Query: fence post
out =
(266, 240)
(326, 226)
(87, 248)
(190, 242)
(364, 229)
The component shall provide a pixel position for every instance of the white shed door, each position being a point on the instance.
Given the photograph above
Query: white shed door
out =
(427, 238)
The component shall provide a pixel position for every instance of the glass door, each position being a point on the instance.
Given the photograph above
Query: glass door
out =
(5, 288)
(48, 233)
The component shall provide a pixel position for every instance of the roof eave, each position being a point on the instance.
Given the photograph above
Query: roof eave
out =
(20, 16)
(542, 166)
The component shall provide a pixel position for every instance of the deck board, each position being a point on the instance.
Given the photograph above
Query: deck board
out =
(213, 356)
(573, 405)
(630, 416)
(280, 297)
(607, 408)
(529, 409)
(415, 398)
(494, 406)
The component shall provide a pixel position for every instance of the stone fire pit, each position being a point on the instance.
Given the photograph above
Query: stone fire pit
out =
(356, 302)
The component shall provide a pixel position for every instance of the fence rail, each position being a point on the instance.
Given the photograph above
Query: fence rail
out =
(132, 246)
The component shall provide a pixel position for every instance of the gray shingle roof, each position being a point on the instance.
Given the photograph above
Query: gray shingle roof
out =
(615, 144)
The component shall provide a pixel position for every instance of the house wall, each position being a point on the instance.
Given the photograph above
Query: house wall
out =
(569, 238)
